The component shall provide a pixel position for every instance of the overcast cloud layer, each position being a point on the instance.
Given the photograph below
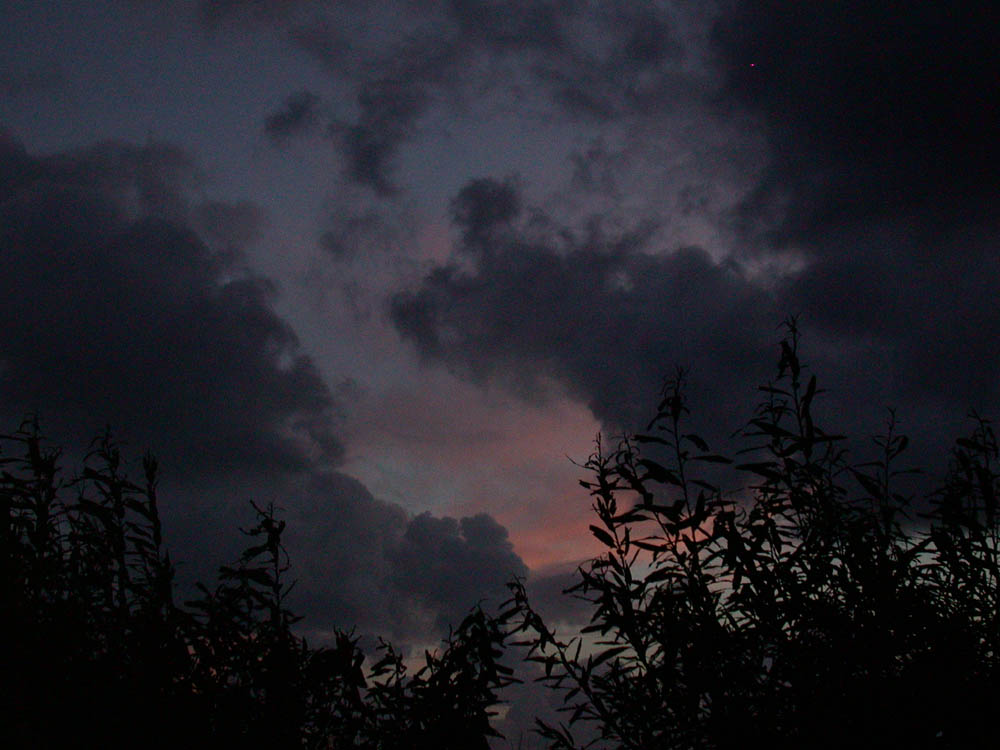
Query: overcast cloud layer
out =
(387, 263)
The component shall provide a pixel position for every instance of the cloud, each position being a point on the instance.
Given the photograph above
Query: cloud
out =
(872, 110)
(348, 234)
(483, 205)
(214, 12)
(603, 315)
(124, 302)
(860, 137)
(626, 61)
(872, 217)
(19, 80)
(389, 110)
(863, 138)
(610, 316)
(298, 115)
(394, 74)
(403, 60)
(519, 25)
(443, 54)
(881, 176)
(228, 227)
(439, 560)
(114, 310)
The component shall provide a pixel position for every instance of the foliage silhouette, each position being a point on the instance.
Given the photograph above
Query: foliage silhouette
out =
(812, 608)
(98, 653)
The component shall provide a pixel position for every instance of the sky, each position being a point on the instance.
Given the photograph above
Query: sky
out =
(392, 265)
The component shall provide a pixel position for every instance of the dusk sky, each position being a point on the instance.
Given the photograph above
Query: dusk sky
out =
(391, 265)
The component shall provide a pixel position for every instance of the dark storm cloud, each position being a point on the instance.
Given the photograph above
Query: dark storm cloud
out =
(600, 314)
(254, 11)
(396, 81)
(349, 234)
(439, 560)
(115, 310)
(873, 109)
(595, 171)
(883, 173)
(395, 75)
(391, 569)
(880, 184)
(214, 15)
(483, 205)
(598, 61)
(649, 39)
(609, 319)
(547, 589)
(627, 65)
(298, 115)
(228, 226)
(438, 54)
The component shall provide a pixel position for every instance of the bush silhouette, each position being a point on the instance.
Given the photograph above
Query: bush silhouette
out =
(815, 607)
(98, 653)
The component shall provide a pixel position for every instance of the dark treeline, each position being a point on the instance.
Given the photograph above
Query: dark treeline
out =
(816, 605)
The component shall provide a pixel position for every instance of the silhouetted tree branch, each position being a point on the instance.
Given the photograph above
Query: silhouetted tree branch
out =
(810, 607)
(100, 655)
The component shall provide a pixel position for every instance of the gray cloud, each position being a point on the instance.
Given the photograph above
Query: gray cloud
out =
(874, 202)
(882, 176)
(214, 12)
(389, 110)
(298, 115)
(603, 315)
(610, 318)
(482, 206)
(875, 205)
(228, 227)
(439, 560)
(114, 310)
(348, 234)
(873, 215)
(408, 576)
(872, 110)
(441, 53)
(22, 80)
(519, 25)
(402, 59)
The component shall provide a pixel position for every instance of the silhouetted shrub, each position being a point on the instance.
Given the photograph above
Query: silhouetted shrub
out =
(98, 654)
(813, 607)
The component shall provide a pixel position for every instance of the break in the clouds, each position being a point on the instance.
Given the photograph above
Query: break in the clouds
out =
(126, 303)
